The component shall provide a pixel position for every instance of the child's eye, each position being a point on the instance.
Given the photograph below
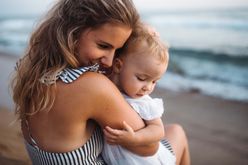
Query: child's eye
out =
(141, 78)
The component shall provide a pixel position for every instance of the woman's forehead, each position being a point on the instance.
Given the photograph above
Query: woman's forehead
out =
(115, 34)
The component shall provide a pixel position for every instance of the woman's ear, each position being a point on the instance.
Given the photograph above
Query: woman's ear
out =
(117, 65)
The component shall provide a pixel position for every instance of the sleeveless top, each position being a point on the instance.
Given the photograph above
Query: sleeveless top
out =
(88, 154)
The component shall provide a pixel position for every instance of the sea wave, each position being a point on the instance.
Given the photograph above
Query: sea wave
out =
(16, 24)
(205, 65)
(219, 32)
(221, 57)
(223, 90)
(14, 33)
(225, 19)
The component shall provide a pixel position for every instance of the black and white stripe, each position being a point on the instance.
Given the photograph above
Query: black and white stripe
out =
(69, 75)
(167, 144)
(88, 154)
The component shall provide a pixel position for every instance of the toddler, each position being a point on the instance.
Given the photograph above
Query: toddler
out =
(136, 70)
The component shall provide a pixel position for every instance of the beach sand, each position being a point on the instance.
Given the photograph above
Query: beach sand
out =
(216, 128)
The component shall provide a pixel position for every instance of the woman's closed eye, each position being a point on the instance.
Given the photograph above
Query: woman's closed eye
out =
(103, 46)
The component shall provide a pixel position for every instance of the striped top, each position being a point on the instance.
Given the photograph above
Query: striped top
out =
(88, 154)
(68, 75)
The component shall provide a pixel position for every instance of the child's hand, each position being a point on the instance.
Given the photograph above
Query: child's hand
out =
(121, 137)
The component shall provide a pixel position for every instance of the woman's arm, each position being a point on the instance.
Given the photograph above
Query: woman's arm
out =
(109, 108)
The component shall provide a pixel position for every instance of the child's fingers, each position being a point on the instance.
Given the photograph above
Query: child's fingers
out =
(110, 138)
(127, 127)
(112, 131)
(108, 135)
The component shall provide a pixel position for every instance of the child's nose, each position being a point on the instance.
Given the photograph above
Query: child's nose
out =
(147, 87)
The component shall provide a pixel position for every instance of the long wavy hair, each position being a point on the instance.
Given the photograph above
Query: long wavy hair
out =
(53, 45)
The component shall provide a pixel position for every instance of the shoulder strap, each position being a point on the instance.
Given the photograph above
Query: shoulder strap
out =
(33, 142)
(69, 75)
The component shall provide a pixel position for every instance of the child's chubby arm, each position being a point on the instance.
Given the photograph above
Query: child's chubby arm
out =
(153, 132)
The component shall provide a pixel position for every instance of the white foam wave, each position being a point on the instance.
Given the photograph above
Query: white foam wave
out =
(208, 87)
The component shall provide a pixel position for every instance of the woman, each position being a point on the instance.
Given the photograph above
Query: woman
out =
(61, 109)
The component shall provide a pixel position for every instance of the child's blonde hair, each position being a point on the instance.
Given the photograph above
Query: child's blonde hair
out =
(53, 47)
(153, 44)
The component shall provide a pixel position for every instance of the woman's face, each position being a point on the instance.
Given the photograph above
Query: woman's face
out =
(99, 45)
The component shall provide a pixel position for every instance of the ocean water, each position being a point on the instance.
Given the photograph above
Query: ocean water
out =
(208, 49)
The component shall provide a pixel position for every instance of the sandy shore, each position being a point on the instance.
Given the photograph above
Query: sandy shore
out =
(216, 129)
(12, 149)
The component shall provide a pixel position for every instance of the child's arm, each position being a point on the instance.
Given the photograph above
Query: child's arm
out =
(153, 132)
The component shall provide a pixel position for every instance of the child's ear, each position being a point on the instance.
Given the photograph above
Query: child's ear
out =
(117, 65)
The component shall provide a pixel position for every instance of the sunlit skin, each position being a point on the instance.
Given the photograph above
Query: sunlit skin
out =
(99, 45)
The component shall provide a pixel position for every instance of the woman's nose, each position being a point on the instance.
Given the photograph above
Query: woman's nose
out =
(107, 60)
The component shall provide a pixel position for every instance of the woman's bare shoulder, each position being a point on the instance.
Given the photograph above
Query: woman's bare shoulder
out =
(95, 82)
(100, 89)
(104, 98)
(86, 94)
(90, 88)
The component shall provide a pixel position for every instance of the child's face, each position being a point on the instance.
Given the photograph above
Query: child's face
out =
(139, 74)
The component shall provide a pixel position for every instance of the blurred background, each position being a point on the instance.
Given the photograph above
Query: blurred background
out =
(208, 40)
(206, 83)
